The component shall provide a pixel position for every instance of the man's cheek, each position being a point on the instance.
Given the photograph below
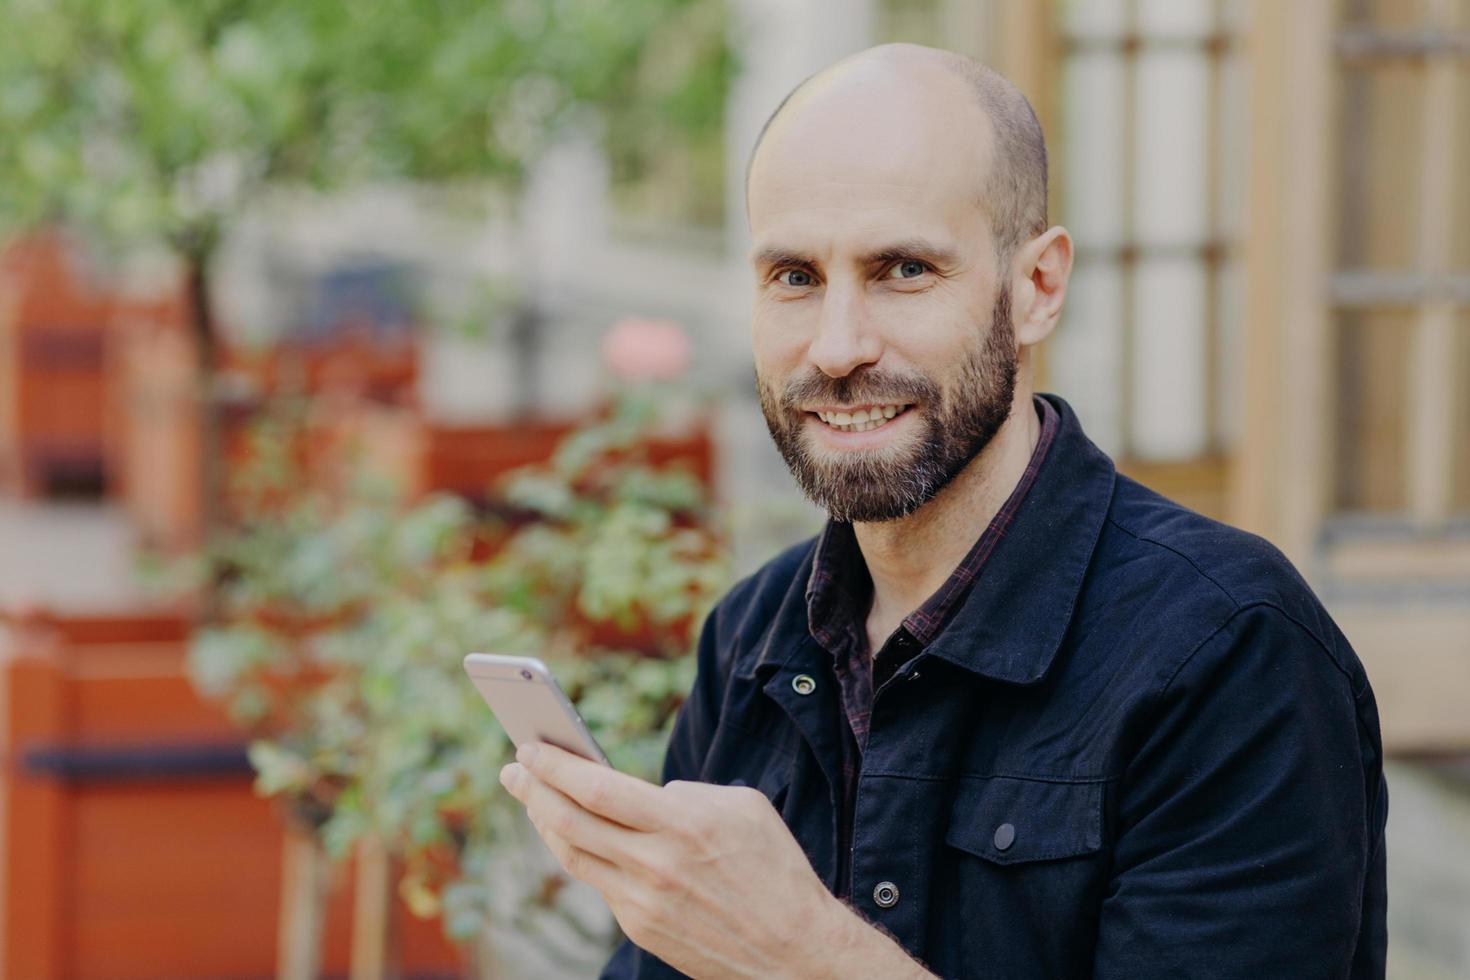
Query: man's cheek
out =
(778, 340)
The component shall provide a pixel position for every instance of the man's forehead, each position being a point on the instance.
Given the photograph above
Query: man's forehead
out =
(825, 236)
(794, 196)
(879, 142)
(821, 216)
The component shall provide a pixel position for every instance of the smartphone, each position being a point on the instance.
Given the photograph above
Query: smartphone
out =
(530, 705)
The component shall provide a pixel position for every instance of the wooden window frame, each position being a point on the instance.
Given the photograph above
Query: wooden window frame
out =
(1283, 486)
(1030, 47)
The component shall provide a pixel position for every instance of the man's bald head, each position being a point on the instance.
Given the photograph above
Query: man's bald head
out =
(1013, 192)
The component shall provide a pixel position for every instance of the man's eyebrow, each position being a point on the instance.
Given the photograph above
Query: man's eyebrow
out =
(904, 249)
(913, 248)
(773, 255)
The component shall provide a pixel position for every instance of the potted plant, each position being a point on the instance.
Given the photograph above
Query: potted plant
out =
(346, 611)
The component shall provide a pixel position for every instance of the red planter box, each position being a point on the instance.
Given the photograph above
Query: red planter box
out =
(134, 845)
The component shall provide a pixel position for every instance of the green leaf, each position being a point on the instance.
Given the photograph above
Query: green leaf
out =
(279, 770)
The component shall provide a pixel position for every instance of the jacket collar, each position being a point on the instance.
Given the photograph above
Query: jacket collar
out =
(1010, 626)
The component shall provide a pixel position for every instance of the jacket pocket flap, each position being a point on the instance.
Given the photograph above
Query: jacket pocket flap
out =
(1009, 820)
(775, 778)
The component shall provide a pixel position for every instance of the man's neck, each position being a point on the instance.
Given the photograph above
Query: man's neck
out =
(910, 558)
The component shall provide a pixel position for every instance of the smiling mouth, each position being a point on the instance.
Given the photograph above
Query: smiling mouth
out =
(862, 419)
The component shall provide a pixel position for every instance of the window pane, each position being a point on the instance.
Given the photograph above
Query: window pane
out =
(1085, 352)
(1093, 127)
(1372, 388)
(1230, 306)
(1095, 18)
(1233, 163)
(1168, 381)
(1176, 18)
(915, 21)
(1172, 165)
(1382, 133)
(1235, 16)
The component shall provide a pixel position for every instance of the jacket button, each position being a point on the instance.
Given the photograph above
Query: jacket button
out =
(885, 895)
(1005, 836)
(803, 684)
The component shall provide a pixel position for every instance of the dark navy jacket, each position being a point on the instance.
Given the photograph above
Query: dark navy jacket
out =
(1140, 749)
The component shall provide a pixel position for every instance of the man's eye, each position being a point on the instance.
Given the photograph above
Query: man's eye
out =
(798, 277)
(907, 269)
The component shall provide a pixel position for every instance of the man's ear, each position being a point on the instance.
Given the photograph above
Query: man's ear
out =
(1039, 273)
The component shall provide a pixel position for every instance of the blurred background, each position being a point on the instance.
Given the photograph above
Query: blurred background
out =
(339, 340)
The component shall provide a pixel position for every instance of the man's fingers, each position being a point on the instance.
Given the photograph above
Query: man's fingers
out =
(611, 794)
(555, 813)
(583, 865)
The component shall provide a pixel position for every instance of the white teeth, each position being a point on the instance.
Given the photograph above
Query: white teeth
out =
(861, 420)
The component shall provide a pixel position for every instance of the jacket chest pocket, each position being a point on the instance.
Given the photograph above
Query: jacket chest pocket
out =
(741, 758)
(1021, 879)
(773, 779)
(1008, 820)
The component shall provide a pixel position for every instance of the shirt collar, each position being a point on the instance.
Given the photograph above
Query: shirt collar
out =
(1009, 630)
(839, 590)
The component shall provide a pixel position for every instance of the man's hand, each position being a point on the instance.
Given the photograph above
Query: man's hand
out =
(707, 878)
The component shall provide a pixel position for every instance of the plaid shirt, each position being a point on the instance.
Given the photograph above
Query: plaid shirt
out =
(838, 595)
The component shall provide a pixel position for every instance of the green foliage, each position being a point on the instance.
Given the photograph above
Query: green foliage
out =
(346, 616)
(158, 118)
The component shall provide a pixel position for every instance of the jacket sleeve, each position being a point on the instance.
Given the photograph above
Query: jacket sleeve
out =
(1250, 821)
(694, 729)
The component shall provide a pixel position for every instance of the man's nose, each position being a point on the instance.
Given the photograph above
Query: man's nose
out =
(845, 340)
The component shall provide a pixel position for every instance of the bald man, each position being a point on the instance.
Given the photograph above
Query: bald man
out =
(1011, 714)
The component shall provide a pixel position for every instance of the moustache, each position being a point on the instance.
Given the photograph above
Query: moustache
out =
(864, 388)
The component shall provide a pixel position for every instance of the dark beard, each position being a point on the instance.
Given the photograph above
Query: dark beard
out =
(868, 486)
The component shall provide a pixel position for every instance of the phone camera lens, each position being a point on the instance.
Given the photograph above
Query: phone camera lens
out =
(526, 674)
